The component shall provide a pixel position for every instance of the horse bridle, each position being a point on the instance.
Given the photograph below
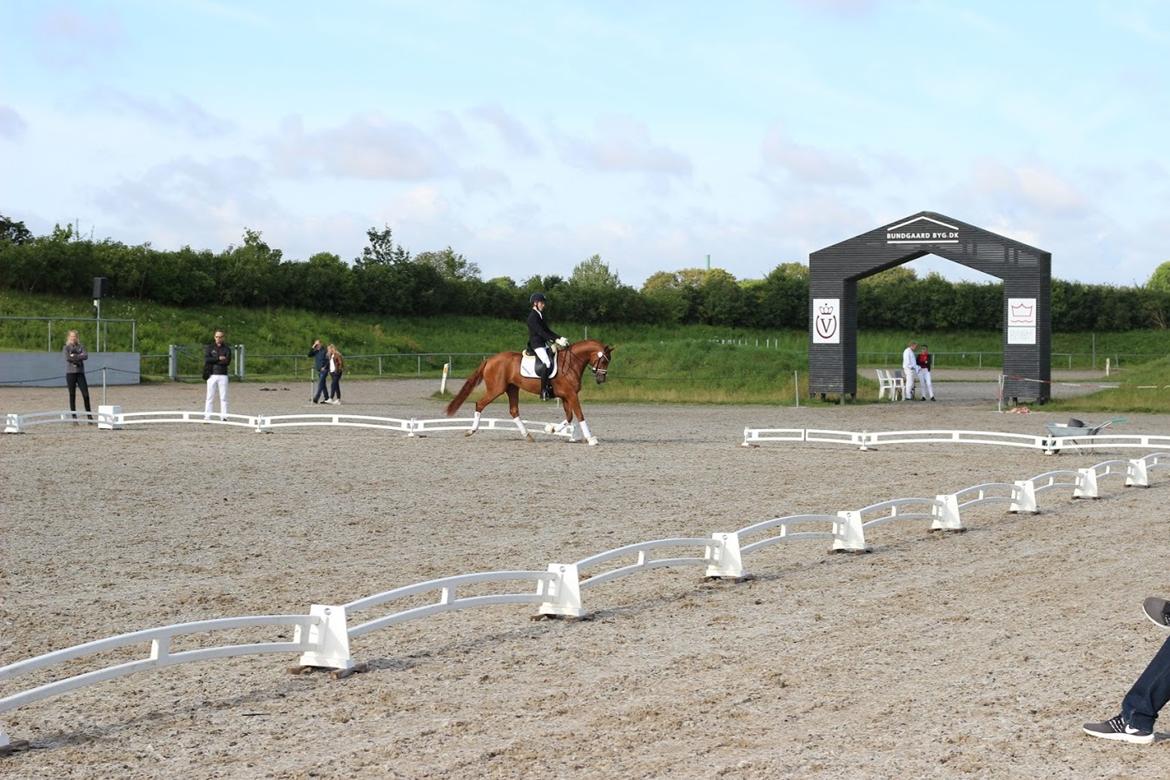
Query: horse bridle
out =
(600, 369)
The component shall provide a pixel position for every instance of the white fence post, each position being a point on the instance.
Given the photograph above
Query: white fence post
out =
(725, 557)
(329, 639)
(562, 596)
(109, 417)
(848, 534)
(946, 514)
(1137, 475)
(443, 382)
(1086, 484)
(12, 423)
(1024, 497)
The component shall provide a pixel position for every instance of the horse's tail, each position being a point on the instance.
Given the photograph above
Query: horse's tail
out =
(465, 391)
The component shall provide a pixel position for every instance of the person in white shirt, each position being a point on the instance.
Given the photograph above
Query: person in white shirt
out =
(909, 370)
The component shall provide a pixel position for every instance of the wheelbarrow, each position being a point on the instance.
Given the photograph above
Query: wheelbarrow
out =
(1075, 433)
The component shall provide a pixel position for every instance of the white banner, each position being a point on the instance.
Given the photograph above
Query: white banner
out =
(1021, 323)
(826, 321)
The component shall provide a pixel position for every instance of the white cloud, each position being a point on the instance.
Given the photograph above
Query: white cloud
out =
(622, 145)
(511, 130)
(809, 164)
(12, 124)
(70, 39)
(1031, 188)
(369, 146)
(175, 112)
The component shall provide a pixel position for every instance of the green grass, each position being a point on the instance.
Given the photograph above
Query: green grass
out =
(692, 363)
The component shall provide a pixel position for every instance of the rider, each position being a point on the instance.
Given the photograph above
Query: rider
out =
(539, 335)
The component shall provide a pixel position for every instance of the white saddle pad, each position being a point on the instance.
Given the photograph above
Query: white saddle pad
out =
(528, 366)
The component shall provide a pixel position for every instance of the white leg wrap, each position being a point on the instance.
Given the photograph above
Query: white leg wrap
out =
(523, 429)
(475, 423)
(590, 439)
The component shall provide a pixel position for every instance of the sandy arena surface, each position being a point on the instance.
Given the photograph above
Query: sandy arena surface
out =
(967, 655)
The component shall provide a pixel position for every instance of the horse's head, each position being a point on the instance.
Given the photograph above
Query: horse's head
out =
(599, 361)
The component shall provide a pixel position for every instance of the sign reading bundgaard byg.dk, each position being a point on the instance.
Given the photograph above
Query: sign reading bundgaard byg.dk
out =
(826, 321)
(922, 230)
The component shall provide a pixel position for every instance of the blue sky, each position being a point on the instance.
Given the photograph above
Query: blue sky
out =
(531, 135)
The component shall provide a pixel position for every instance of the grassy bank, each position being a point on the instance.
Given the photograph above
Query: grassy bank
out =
(691, 363)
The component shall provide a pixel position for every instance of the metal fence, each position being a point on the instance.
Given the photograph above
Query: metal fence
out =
(41, 330)
(185, 361)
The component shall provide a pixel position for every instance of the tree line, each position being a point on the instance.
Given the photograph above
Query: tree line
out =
(388, 279)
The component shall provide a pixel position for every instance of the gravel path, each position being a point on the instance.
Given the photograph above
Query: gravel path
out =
(977, 654)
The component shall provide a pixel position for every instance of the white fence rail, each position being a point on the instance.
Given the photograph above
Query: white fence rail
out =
(112, 418)
(322, 637)
(866, 440)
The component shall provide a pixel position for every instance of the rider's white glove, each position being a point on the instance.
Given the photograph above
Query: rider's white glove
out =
(562, 342)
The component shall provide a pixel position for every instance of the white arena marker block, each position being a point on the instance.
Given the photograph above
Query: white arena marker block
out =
(848, 534)
(946, 515)
(1137, 474)
(329, 639)
(1086, 484)
(1024, 498)
(562, 596)
(109, 417)
(726, 559)
(12, 423)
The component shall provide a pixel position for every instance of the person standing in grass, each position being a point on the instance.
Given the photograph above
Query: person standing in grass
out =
(75, 357)
(336, 367)
(216, 358)
(909, 370)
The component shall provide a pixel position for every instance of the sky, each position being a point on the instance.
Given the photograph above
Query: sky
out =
(529, 136)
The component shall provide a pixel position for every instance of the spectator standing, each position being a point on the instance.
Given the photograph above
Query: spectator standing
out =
(216, 358)
(336, 367)
(925, 362)
(321, 366)
(75, 357)
(909, 370)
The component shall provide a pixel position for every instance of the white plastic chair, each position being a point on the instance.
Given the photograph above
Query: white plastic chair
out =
(890, 382)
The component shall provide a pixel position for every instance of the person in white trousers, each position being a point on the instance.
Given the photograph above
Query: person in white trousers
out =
(925, 363)
(216, 358)
(909, 370)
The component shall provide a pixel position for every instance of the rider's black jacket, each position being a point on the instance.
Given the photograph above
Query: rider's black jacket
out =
(539, 334)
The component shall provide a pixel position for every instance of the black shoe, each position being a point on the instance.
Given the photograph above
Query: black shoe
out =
(932, 398)
(1116, 728)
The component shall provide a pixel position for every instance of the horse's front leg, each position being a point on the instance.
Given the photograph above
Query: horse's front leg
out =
(574, 406)
(514, 410)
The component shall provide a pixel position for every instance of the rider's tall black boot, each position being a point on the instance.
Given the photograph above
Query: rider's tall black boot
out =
(545, 387)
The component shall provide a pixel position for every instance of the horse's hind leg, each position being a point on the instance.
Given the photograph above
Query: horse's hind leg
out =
(514, 410)
(480, 405)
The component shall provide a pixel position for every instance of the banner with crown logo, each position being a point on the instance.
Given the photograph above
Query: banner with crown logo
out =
(1021, 324)
(826, 321)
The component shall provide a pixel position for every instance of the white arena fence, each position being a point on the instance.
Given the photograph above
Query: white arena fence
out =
(866, 440)
(113, 418)
(322, 637)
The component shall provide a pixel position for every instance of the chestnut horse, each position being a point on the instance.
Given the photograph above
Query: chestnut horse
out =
(501, 374)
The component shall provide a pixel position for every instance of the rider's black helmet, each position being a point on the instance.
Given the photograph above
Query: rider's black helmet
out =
(536, 296)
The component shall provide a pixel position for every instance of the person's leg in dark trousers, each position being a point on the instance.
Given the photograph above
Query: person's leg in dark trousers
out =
(335, 392)
(322, 394)
(84, 386)
(1151, 691)
(71, 383)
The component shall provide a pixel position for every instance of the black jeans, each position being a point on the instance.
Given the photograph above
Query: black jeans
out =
(336, 391)
(321, 391)
(1151, 691)
(74, 381)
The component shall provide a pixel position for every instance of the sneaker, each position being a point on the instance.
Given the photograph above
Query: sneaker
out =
(1116, 728)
